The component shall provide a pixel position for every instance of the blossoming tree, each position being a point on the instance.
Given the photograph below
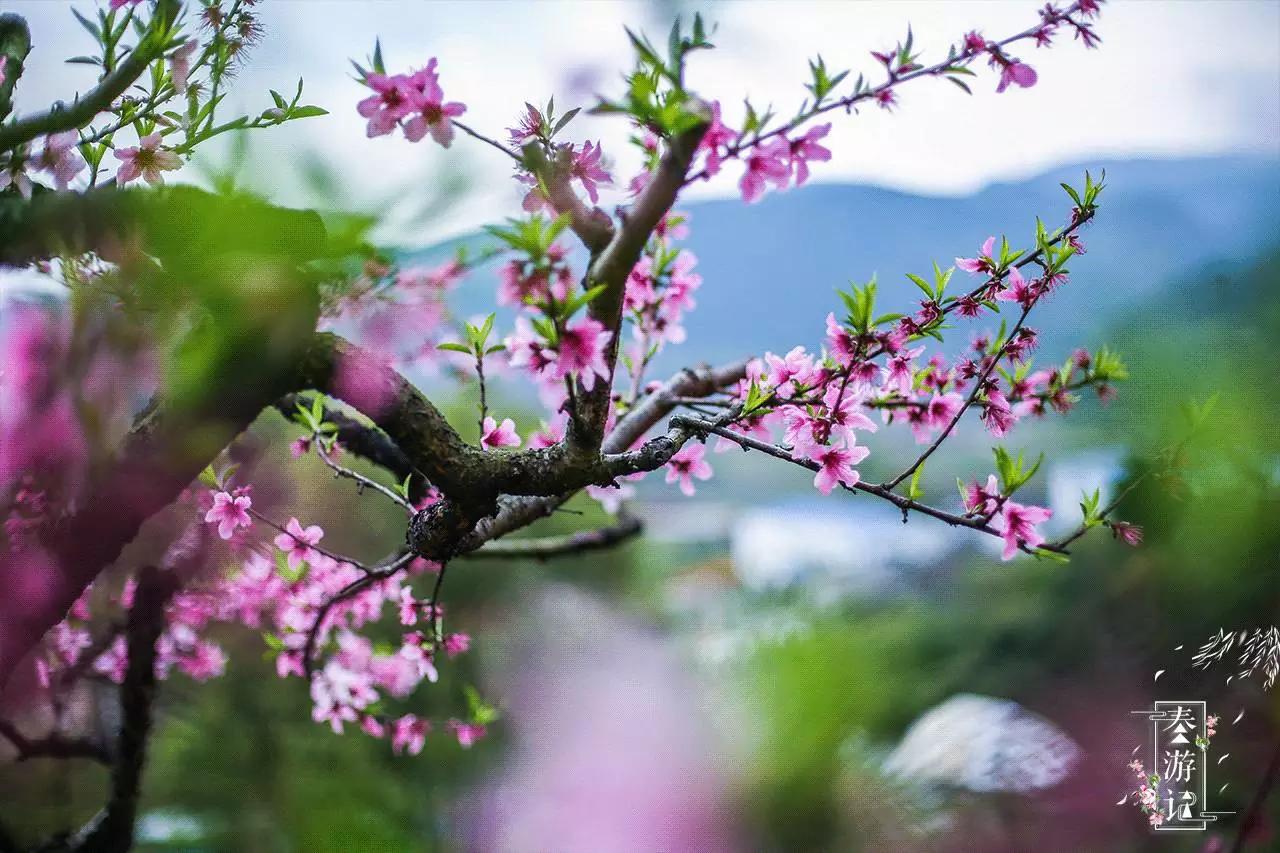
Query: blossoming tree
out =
(189, 313)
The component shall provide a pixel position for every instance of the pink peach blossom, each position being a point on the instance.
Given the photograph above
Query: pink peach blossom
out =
(495, 435)
(1017, 526)
(229, 512)
(687, 464)
(297, 543)
(836, 466)
(148, 160)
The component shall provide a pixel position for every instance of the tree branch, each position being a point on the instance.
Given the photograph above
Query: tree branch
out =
(979, 387)
(515, 513)
(112, 829)
(364, 440)
(612, 265)
(85, 107)
(52, 745)
(580, 542)
(425, 437)
(979, 524)
(15, 44)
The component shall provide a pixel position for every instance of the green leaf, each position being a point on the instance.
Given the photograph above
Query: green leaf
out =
(756, 399)
(481, 712)
(307, 111)
(208, 477)
(922, 284)
(582, 299)
(454, 347)
(403, 487)
(1075, 196)
(914, 492)
(565, 119)
(93, 28)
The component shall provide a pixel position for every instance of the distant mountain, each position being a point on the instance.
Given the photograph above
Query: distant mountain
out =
(769, 269)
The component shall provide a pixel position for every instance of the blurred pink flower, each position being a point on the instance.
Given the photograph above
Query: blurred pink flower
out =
(409, 733)
(147, 160)
(1017, 524)
(180, 65)
(499, 435)
(61, 157)
(1016, 72)
(582, 350)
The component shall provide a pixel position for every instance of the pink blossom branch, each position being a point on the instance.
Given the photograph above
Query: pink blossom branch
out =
(368, 570)
(961, 59)
(979, 387)
(372, 576)
(85, 107)
(611, 267)
(905, 504)
(1102, 515)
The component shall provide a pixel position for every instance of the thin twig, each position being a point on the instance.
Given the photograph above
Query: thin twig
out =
(978, 387)
(363, 481)
(344, 594)
(847, 103)
(330, 554)
(480, 136)
(581, 542)
(902, 503)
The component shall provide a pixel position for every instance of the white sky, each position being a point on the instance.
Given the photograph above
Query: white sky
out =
(1171, 78)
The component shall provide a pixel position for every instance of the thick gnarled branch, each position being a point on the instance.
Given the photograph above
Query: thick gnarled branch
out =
(611, 266)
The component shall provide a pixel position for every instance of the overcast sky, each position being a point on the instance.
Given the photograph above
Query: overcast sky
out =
(1172, 78)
